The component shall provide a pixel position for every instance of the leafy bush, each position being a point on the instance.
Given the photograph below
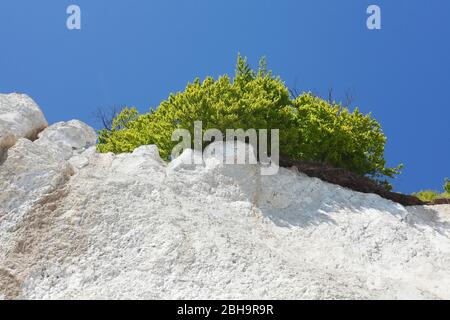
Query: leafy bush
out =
(310, 128)
(427, 195)
(430, 195)
(332, 134)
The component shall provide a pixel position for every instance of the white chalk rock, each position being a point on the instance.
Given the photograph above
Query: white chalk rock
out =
(231, 152)
(129, 226)
(149, 152)
(79, 161)
(65, 138)
(29, 172)
(188, 160)
(236, 161)
(27, 176)
(20, 117)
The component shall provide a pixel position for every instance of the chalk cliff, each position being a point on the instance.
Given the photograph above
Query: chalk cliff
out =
(78, 224)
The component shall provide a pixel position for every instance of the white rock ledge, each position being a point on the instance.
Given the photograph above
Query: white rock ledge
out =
(20, 117)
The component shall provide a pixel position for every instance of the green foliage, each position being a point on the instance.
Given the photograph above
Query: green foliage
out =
(310, 127)
(427, 195)
(430, 195)
(332, 134)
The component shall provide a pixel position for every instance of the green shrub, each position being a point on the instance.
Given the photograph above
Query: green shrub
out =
(332, 134)
(427, 195)
(310, 127)
(430, 195)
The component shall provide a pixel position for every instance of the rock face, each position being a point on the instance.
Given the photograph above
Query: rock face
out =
(20, 117)
(65, 137)
(78, 224)
(350, 180)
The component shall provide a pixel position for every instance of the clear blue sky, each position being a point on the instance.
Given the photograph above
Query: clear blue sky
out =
(136, 52)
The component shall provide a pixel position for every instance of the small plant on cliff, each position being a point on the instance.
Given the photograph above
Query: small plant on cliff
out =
(430, 195)
(311, 128)
(447, 186)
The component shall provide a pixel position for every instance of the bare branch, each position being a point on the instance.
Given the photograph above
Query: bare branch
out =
(294, 92)
(348, 100)
(330, 95)
(106, 115)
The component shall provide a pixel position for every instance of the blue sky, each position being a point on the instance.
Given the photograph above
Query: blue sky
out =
(136, 52)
